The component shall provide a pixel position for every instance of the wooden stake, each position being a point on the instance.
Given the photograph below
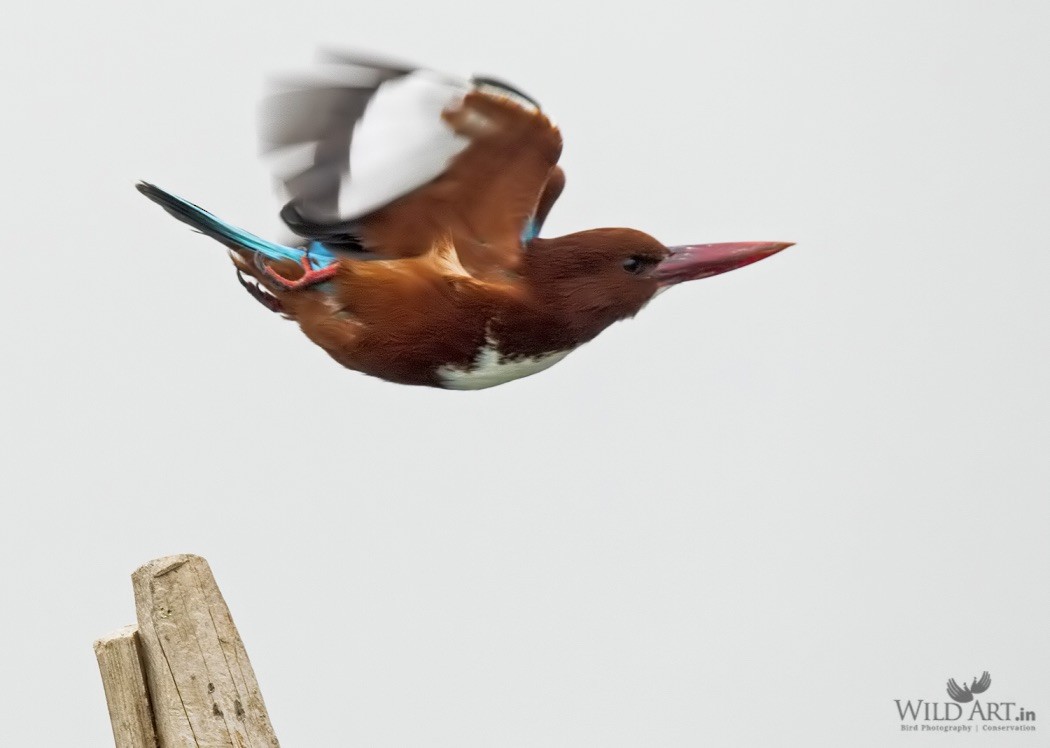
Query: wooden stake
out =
(181, 678)
(120, 662)
(202, 686)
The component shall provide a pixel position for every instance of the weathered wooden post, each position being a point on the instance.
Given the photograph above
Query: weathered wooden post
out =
(181, 678)
(120, 660)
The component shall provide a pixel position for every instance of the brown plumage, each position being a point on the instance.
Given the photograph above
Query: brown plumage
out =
(403, 320)
(438, 286)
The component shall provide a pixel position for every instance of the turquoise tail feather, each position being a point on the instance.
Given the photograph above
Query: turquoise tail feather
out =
(210, 225)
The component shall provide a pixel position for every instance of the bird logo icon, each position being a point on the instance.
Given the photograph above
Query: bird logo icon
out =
(965, 692)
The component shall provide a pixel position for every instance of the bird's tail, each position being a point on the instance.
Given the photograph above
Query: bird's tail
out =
(231, 236)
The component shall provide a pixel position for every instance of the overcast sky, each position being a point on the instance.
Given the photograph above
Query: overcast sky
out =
(757, 514)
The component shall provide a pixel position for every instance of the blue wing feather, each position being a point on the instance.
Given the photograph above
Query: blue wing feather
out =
(530, 232)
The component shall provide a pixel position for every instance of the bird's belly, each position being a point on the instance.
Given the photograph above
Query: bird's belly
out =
(490, 368)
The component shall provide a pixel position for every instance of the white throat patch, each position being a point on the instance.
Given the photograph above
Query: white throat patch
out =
(491, 368)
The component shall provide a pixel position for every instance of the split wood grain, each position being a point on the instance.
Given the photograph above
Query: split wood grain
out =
(201, 685)
(120, 662)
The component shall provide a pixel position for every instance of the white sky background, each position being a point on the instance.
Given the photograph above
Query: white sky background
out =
(755, 515)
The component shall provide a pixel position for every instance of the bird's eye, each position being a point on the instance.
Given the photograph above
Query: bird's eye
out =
(637, 264)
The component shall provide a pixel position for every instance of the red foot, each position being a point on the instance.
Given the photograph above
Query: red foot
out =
(310, 277)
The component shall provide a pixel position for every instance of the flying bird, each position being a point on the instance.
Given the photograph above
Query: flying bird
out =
(965, 692)
(418, 198)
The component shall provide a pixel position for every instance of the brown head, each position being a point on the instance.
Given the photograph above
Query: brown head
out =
(597, 277)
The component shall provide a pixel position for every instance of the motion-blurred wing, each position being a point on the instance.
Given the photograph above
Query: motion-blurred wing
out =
(311, 126)
(390, 156)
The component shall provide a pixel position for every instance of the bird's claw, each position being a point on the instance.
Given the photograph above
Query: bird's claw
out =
(260, 294)
(310, 276)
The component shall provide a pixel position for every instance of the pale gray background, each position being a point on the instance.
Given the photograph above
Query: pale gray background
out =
(757, 514)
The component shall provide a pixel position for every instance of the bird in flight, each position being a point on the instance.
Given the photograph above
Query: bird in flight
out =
(418, 199)
(965, 692)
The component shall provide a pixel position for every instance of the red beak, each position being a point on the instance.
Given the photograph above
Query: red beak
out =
(695, 261)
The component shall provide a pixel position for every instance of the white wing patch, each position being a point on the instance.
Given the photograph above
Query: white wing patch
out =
(491, 368)
(401, 142)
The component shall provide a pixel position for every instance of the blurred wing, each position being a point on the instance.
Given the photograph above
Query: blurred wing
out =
(392, 157)
(957, 693)
(311, 127)
(980, 686)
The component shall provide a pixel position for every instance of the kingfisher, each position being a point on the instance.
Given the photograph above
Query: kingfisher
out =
(417, 199)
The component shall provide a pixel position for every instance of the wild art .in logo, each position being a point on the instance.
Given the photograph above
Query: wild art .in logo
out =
(921, 715)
